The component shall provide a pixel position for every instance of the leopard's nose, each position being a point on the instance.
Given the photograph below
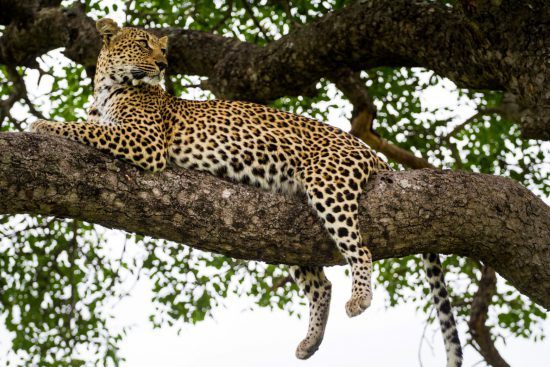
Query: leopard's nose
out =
(161, 65)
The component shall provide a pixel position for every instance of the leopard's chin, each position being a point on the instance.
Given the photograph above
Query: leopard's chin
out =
(151, 80)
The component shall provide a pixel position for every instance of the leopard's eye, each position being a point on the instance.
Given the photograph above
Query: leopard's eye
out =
(143, 43)
(163, 50)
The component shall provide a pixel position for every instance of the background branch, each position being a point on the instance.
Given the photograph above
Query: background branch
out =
(480, 332)
(364, 113)
(360, 36)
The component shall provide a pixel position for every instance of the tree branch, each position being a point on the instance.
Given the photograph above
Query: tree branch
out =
(19, 92)
(255, 20)
(488, 218)
(364, 113)
(480, 332)
(225, 17)
(503, 51)
(361, 127)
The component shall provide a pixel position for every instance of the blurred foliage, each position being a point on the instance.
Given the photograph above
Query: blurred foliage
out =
(59, 279)
(55, 283)
(188, 284)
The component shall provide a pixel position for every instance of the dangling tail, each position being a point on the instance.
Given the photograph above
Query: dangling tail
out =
(444, 311)
(440, 299)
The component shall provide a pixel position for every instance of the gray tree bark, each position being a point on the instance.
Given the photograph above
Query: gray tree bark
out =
(489, 218)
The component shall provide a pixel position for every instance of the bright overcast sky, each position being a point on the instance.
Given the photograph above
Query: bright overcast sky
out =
(238, 337)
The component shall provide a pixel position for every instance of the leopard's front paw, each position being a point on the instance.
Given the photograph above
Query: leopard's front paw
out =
(38, 125)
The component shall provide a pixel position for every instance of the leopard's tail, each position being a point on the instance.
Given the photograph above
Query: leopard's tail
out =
(432, 264)
(440, 296)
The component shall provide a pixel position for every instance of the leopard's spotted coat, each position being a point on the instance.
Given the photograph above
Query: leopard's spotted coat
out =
(136, 120)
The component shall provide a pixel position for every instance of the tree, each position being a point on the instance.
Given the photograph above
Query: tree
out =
(295, 55)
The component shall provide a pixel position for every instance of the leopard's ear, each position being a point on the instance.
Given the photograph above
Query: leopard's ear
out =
(107, 29)
(163, 42)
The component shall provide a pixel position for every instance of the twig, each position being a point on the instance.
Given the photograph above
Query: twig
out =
(446, 140)
(73, 247)
(355, 90)
(461, 126)
(19, 93)
(41, 73)
(120, 262)
(479, 362)
(195, 15)
(128, 292)
(192, 86)
(255, 20)
(226, 16)
(422, 338)
(33, 110)
(362, 128)
(281, 282)
(286, 7)
(16, 95)
(456, 155)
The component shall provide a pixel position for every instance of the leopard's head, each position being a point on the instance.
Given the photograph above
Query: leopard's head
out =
(130, 55)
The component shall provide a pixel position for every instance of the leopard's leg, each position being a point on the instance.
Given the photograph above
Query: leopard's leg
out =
(338, 208)
(145, 149)
(345, 233)
(317, 288)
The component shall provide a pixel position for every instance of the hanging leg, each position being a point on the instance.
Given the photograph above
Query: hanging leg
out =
(338, 208)
(317, 288)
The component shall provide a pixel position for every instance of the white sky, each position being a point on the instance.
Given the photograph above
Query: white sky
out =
(379, 337)
(266, 338)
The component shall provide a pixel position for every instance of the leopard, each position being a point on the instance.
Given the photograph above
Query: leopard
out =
(134, 119)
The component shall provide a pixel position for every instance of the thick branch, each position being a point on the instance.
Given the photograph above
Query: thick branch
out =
(48, 29)
(16, 10)
(505, 50)
(489, 218)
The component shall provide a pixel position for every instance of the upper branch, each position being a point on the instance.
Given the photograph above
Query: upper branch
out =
(505, 49)
(488, 218)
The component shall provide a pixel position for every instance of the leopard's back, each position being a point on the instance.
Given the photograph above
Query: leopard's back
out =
(263, 146)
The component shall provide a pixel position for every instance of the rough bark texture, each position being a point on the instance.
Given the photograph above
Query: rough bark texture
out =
(489, 218)
(504, 46)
